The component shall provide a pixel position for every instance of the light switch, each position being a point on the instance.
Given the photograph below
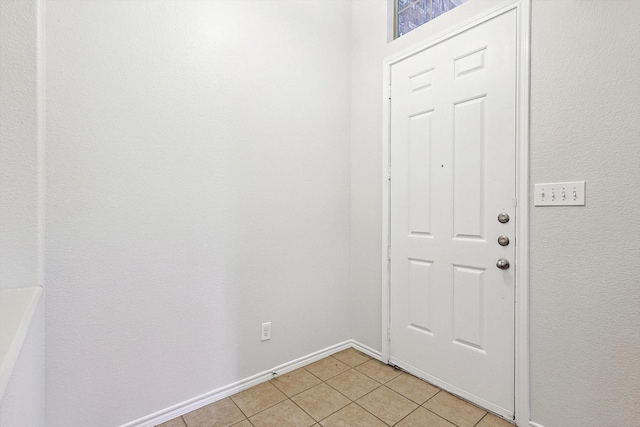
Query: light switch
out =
(560, 194)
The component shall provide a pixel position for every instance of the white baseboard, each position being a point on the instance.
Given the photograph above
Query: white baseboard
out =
(231, 389)
(366, 350)
(532, 424)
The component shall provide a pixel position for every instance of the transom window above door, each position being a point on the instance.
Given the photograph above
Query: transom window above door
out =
(410, 14)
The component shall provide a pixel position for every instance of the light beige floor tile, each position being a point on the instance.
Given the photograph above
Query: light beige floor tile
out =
(244, 423)
(222, 413)
(353, 384)
(326, 368)
(351, 357)
(320, 401)
(459, 412)
(352, 416)
(295, 382)
(387, 405)
(423, 418)
(257, 398)
(491, 420)
(413, 388)
(285, 414)
(378, 371)
(176, 422)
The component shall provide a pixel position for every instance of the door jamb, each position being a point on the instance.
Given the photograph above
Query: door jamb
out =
(523, 60)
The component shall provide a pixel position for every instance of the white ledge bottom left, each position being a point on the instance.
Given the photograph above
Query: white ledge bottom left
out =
(17, 307)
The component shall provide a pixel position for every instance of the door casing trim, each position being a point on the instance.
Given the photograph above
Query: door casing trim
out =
(523, 58)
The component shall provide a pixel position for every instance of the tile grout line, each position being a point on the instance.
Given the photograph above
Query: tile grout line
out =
(351, 368)
(384, 384)
(448, 420)
(365, 374)
(426, 409)
(374, 415)
(400, 420)
(241, 411)
(246, 419)
(401, 395)
(325, 383)
(438, 415)
(262, 410)
(302, 391)
(480, 420)
(366, 394)
(302, 409)
(488, 413)
(420, 405)
(318, 421)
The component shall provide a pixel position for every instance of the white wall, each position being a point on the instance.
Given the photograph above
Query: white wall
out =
(198, 169)
(199, 184)
(23, 402)
(369, 39)
(18, 144)
(585, 280)
(585, 323)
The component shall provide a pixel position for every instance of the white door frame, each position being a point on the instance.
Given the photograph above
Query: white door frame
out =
(521, 350)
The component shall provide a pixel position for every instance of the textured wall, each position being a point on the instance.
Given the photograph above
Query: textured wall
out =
(18, 145)
(585, 280)
(194, 192)
(585, 291)
(369, 40)
(198, 169)
(23, 401)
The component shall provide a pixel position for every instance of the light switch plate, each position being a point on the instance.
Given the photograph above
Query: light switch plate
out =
(560, 194)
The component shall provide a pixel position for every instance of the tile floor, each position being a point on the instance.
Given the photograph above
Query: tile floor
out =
(347, 389)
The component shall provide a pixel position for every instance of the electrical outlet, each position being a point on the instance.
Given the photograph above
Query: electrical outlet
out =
(266, 331)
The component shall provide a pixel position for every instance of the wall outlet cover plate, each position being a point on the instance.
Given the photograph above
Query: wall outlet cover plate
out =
(560, 194)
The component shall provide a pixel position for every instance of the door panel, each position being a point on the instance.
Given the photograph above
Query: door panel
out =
(453, 172)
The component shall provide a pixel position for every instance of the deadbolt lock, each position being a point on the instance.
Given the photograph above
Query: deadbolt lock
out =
(503, 218)
(503, 240)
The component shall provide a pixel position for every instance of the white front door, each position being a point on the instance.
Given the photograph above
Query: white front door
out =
(453, 115)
